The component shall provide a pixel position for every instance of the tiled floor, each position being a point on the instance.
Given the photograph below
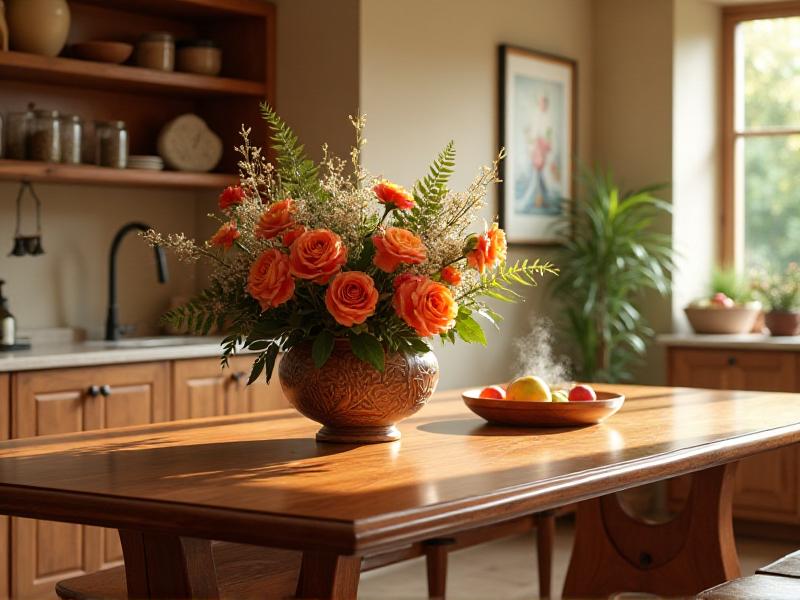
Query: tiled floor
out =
(506, 569)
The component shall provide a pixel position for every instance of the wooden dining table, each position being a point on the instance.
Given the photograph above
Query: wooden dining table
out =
(263, 479)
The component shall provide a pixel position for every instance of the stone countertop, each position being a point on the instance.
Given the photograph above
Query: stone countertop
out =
(91, 353)
(747, 341)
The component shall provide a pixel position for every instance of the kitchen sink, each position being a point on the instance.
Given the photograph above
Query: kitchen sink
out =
(154, 342)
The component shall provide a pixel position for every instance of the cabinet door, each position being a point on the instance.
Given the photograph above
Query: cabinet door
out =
(766, 484)
(201, 388)
(257, 397)
(5, 432)
(58, 401)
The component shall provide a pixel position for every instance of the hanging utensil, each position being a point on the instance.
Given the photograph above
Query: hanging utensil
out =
(27, 244)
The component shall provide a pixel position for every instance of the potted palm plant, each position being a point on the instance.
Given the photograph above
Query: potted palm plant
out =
(781, 296)
(611, 254)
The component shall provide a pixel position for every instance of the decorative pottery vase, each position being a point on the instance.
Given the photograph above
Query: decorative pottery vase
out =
(38, 26)
(783, 322)
(354, 402)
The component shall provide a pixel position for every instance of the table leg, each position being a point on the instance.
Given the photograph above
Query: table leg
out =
(167, 566)
(545, 538)
(614, 552)
(328, 576)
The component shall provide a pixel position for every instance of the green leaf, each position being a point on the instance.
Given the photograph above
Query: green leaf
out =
(322, 348)
(368, 349)
(258, 367)
(470, 331)
(271, 357)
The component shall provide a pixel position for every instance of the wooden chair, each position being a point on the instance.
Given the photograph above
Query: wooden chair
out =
(267, 573)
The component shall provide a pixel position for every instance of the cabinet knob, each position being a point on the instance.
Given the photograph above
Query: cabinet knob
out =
(93, 391)
(105, 390)
(239, 376)
(731, 360)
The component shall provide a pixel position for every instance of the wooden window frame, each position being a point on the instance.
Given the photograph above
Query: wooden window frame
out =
(731, 208)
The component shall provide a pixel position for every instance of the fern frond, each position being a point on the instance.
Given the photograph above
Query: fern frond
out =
(430, 191)
(297, 172)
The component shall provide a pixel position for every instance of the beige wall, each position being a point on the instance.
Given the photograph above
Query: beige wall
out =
(696, 150)
(428, 74)
(67, 285)
(632, 118)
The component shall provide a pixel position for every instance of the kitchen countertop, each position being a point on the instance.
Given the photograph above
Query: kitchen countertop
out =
(747, 341)
(89, 353)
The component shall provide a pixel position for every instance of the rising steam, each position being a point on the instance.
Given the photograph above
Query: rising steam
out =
(535, 354)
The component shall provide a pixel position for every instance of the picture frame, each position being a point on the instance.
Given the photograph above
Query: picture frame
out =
(538, 129)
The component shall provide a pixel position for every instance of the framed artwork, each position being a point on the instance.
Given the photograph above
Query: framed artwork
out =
(537, 129)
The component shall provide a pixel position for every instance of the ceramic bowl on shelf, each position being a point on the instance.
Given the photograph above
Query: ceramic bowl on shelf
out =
(102, 51)
(737, 319)
(543, 414)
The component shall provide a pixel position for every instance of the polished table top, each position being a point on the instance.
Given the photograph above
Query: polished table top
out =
(263, 478)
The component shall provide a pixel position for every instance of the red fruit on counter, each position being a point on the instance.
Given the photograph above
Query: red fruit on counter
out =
(495, 392)
(721, 300)
(582, 393)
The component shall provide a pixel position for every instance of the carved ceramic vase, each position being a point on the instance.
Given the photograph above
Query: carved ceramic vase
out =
(354, 402)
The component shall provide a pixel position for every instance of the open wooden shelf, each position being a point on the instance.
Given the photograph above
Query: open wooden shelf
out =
(24, 170)
(22, 66)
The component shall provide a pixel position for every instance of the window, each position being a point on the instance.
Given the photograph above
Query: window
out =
(761, 188)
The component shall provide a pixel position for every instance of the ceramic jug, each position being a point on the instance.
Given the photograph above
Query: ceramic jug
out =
(38, 26)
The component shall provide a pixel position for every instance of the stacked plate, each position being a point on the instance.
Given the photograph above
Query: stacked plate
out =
(149, 163)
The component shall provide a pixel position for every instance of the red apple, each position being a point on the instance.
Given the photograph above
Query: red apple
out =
(582, 393)
(495, 392)
(721, 300)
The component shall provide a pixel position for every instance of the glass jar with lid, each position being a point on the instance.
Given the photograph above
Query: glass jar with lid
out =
(44, 141)
(18, 129)
(156, 50)
(71, 139)
(111, 144)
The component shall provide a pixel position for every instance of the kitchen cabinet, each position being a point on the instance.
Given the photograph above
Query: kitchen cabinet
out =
(766, 487)
(201, 388)
(64, 401)
(5, 432)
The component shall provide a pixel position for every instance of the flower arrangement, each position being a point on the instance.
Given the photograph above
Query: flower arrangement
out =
(314, 253)
(779, 292)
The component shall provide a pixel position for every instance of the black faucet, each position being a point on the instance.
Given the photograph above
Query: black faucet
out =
(113, 329)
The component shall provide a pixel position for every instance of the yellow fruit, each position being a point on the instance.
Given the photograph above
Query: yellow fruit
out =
(529, 389)
(560, 396)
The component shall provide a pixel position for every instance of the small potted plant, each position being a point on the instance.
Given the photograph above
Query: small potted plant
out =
(781, 295)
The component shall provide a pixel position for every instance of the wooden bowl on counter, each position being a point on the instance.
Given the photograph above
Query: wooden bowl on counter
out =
(543, 414)
(739, 319)
(101, 51)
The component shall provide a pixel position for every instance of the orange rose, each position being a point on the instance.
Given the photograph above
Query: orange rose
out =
(489, 250)
(230, 196)
(397, 246)
(290, 235)
(226, 235)
(351, 298)
(451, 275)
(425, 305)
(394, 195)
(276, 219)
(317, 255)
(270, 281)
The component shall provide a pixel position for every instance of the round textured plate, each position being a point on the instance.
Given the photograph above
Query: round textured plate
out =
(543, 414)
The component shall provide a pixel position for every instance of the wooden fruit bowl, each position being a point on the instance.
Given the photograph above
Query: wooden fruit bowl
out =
(543, 414)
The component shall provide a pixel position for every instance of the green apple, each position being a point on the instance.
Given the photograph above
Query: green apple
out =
(560, 396)
(529, 389)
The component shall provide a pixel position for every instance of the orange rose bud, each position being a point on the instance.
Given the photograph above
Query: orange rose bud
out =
(230, 196)
(397, 246)
(451, 275)
(276, 219)
(317, 255)
(351, 298)
(290, 235)
(270, 281)
(225, 235)
(394, 195)
(426, 306)
(488, 249)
